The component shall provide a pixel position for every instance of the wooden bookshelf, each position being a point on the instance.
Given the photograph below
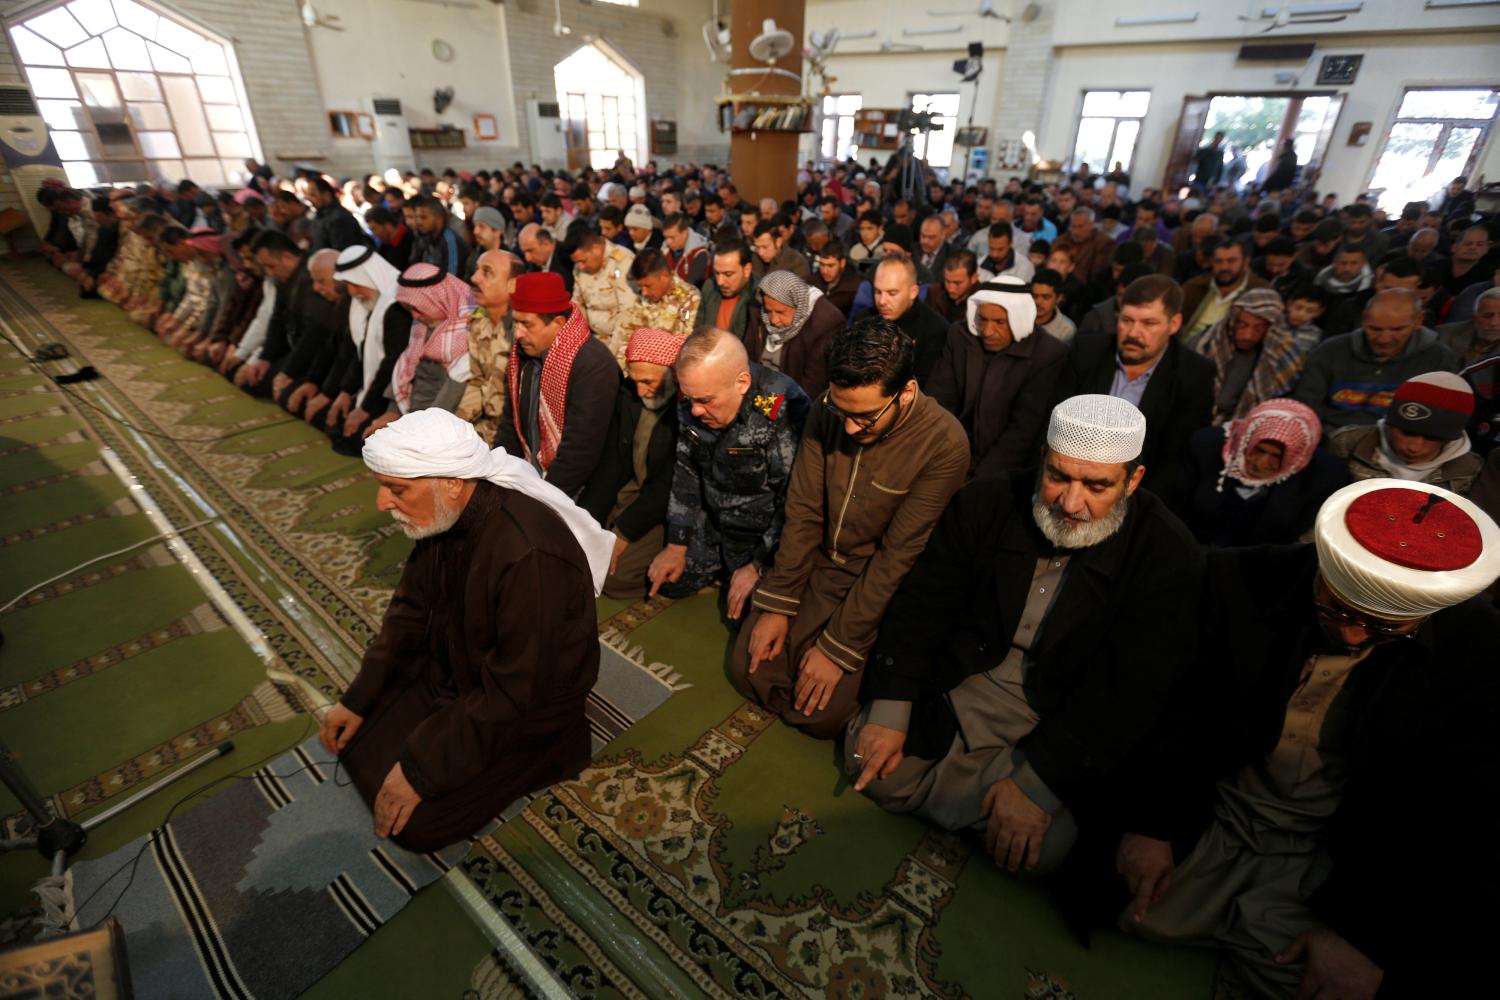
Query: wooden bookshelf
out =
(745, 113)
(877, 128)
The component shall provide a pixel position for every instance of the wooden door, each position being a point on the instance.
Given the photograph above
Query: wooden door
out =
(575, 132)
(1185, 144)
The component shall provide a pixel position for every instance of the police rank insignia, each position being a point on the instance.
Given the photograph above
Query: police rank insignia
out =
(769, 405)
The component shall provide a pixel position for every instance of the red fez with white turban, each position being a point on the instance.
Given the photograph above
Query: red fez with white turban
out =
(1404, 550)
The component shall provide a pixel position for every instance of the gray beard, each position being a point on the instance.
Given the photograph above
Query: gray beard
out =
(1049, 521)
(443, 518)
(666, 396)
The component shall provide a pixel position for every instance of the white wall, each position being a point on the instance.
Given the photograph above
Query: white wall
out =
(1088, 22)
(885, 79)
(1174, 70)
(386, 50)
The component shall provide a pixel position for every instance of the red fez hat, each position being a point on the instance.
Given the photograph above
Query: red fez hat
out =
(540, 292)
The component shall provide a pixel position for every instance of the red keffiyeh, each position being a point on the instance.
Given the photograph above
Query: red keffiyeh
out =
(423, 288)
(1291, 424)
(552, 404)
(657, 347)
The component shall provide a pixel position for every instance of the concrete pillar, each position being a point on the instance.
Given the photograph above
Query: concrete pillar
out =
(1025, 85)
(764, 164)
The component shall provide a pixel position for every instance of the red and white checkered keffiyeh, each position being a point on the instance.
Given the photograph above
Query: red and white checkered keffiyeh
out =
(657, 347)
(451, 299)
(552, 404)
(1291, 424)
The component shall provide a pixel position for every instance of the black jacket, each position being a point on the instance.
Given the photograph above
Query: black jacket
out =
(593, 382)
(1003, 400)
(616, 468)
(1279, 514)
(1113, 648)
(1412, 841)
(334, 228)
(1179, 399)
(930, 332)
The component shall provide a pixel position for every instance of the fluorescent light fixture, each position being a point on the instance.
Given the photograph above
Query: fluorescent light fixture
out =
(1147, 19)
(1314, 9)
(1453, 4)
(942, 29)
(846, 35)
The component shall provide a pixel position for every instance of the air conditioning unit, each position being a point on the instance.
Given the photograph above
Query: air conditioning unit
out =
(392, 145)
(28, 151)
(549, 147)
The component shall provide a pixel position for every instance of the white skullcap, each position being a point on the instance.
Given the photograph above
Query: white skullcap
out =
(1013, 294)
(1405, 550)
(434, 443)
(1096, 428)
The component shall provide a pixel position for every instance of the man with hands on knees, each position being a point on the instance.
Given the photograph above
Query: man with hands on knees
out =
(878, 464)
(1345, 677)
(473, 691)
(1033, 646)
(739, 425)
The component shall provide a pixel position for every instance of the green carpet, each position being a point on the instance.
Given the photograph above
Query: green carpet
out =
(714, 851)
(118, 670)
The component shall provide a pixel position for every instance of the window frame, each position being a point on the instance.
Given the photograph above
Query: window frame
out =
(1114, 132)
(1476, 155)
(837, 117)
(951, 127)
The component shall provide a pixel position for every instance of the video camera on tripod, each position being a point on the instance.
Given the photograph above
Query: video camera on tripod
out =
(917, 121)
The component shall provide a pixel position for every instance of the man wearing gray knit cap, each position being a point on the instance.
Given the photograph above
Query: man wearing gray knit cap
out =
(1032, 648)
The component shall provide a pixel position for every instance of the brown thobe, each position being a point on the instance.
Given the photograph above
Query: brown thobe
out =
(1244, 887)
(857, 517)
(477, 681)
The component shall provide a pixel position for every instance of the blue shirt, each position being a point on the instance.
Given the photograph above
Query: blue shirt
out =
(1131, 389)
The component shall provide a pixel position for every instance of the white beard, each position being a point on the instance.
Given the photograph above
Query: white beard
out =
(1049, 519)
(444, 517)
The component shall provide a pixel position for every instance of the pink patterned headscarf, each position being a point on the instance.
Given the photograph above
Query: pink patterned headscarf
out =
(1291, 424)
(424, 288)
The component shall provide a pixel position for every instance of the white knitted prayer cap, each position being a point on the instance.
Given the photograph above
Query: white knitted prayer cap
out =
(1097, 428)
(1399, 549)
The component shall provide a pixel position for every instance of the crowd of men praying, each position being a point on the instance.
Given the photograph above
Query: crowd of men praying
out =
(1148, 536)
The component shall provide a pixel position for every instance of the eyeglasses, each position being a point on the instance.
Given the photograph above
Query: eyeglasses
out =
(1337, 614)
(863, 421)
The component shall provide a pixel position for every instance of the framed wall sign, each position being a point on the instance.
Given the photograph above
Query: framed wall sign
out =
(486, 128)
(1338, 71)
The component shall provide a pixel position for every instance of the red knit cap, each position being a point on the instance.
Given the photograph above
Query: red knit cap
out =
(658, 347)
(540, 292)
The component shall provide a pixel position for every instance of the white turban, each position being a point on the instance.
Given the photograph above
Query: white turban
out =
(361, 265)
(1405, 550)
(435, 443)
(1095, 428)
(1012, 293)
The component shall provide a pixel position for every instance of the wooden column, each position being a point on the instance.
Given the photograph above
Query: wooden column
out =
(764, 164)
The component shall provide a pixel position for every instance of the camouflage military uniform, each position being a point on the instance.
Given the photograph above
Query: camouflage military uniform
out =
(674, 313)
(729, 487)
(605, 295)
(489, 356)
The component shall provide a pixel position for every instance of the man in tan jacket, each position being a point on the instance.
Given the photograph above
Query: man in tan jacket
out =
(601, 287)
(878, 464)
(489, 342)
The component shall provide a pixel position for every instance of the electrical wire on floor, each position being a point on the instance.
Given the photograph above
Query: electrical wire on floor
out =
(68, 390)
(175, 532)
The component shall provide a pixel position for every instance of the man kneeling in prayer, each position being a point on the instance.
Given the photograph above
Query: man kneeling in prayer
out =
(473, 692)
(1330, 797)
(1034, 645)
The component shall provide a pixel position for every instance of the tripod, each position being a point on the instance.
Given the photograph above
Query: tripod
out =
(59, 839)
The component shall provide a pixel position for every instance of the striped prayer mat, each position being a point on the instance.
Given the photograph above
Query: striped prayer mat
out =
(259, 890)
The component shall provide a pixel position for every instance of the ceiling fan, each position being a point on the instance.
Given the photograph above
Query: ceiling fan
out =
(772, 43)
(716, 36)
(986, 9)
(1294, 15)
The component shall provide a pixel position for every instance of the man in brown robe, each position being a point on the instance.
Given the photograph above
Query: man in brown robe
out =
(879, 462)
(473, 692)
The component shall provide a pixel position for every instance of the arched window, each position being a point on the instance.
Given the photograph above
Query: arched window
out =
(133, 94)
(603, 99)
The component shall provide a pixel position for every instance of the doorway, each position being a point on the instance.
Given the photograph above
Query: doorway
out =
(1255, 124)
